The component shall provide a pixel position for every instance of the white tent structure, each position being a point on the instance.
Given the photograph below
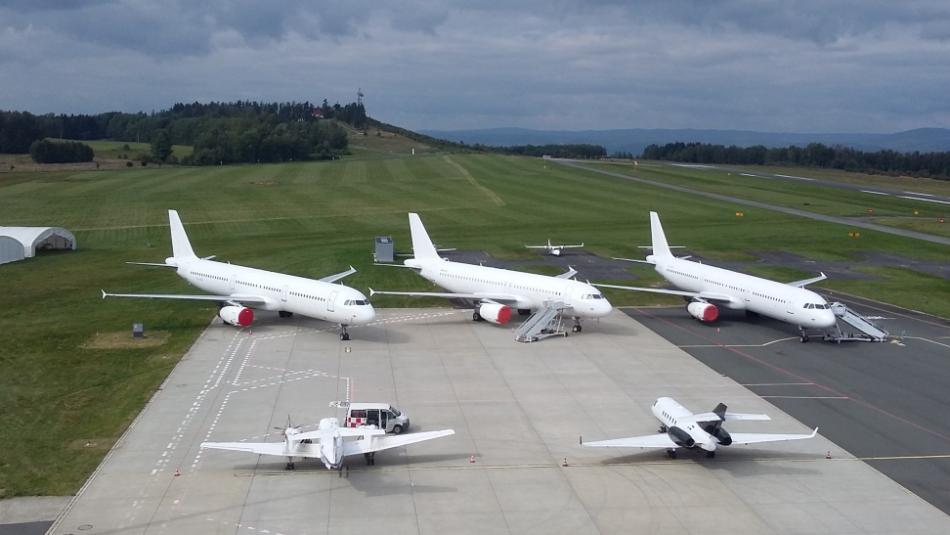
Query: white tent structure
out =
(11, 250)
(32, 239)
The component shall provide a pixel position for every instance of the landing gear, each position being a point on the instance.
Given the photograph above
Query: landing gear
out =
(577, 325)
(662, 429)
(290, 465)
(344, 335)
(370, 458)
(671, 453)
(284, 314)
(803, 335)
(710, 454)
(524, 311)
(477, 317)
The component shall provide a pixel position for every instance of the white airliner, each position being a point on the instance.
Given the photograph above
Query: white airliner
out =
(680, 428)
(554, 249)
(496, 291)
(239, 289)
(329, 443)
(707, 286)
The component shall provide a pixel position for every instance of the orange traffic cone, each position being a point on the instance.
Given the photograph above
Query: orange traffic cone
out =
(471, 459)
(828, 455)
(177, 472)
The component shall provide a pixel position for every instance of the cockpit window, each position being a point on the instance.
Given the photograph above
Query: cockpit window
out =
(592, 296)
(356, 302)
(819, 306)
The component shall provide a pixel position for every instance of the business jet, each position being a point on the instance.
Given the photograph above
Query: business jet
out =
(496, 291)
(330, 443)
(680, 428)
(240, 289)
(709, 287)
(554, 249)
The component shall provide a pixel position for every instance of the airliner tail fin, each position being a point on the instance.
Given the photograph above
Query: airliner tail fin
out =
(422, 247)
(661, 248)
(181, 247)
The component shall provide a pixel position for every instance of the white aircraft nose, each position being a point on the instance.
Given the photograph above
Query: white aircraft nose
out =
(367, 314)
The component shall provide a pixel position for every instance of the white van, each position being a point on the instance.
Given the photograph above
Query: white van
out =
(382, 415)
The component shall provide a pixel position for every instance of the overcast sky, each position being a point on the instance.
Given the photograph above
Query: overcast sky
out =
(803, 66)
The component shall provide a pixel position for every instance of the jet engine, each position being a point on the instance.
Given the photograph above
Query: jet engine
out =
(495, 313)
(556, 251)
(722, 436)
(703, 311)
(237, 316)
(681, 438)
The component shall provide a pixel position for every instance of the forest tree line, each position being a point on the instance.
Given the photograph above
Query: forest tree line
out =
(926, 164)
(220, 132)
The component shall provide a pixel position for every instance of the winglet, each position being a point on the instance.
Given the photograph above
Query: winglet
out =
(813, 433)
(372, 292)
(103, 293)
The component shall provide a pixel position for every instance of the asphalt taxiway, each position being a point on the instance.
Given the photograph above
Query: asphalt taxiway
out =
(514, 465)
(886, 403)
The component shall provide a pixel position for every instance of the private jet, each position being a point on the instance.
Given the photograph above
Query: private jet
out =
(707, 288)
(497, 291)
(240, 289)
(680, 428)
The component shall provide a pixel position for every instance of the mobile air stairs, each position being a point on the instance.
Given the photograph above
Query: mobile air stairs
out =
(545, 322)
(860, 329)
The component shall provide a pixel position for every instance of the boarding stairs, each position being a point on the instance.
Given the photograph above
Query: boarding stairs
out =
(860, 329)
(544, 323)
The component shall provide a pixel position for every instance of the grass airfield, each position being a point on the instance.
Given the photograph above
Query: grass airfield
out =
(66, 398)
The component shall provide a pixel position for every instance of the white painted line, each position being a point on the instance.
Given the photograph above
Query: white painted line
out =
(796, 177)
(925, 200)
(874, 192)
(918, 193)
(748, 174)
(805, 397)
(776, 384)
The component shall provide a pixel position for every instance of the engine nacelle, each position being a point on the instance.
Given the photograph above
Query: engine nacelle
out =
(703, 311)
(237, 316)
(495, 313)
(722, 436)
(681, 438)
(556, 251)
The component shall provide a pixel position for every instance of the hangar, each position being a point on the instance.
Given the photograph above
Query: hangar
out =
(32, 239)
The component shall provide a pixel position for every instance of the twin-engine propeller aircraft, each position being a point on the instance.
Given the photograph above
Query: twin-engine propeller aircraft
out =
(239, 289)
(497, 291)
(554, 249)
(680, 428)
(708, 287)
(330, 443)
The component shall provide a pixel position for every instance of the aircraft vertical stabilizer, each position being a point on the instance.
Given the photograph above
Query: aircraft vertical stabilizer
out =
(661, 248)
(422, 247)
(181, 247)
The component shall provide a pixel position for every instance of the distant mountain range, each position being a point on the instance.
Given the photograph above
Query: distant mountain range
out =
(633, 140)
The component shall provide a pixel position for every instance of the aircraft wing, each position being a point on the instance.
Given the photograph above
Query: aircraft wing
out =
(156, 264)
(379, 443)
(567, 274)
(260, 448)
(634, 260)
(696, 295)
(755, 438)
(509, 298)
(338, 276)
(235, 298)
(576, 246)
(537, 247)
(659, 440)
(805, 282)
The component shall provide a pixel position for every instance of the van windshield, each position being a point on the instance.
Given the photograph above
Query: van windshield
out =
(395, 411)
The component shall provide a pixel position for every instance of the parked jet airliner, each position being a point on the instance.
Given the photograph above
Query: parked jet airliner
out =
(707, 286)
(239, 289)
(496, 291)
(680, 428)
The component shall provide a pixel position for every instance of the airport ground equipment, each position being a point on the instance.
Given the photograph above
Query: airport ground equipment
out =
(384, 250)
(861, 329)
(545, 322)
(382, 415)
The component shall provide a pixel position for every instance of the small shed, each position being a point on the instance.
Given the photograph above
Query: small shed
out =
(11, 250)
(34, 239)
(383, 251)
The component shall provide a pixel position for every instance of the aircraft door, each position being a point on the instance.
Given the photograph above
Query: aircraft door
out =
(331, 300)
(283, 294)
(231, 283)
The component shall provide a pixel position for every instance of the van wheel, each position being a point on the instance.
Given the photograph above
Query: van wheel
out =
(397, 429)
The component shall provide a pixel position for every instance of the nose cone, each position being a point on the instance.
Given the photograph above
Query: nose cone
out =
(366, 314)
(826, 320)
(603, 308)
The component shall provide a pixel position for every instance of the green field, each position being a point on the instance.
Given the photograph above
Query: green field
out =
(886, 210)
(65, 401)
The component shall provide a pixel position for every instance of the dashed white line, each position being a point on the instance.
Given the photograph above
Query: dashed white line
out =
(874, 192)
(922, 199)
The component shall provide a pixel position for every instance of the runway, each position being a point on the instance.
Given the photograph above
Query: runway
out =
(518, 411)
(886, 403)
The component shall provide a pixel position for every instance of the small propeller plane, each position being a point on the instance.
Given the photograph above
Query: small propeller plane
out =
(554, 249)
(680, 428)
(329, 443)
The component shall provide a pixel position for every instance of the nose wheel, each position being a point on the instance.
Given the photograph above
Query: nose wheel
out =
(344, 335)
(803, 336)
(671, 453)
(577, 325)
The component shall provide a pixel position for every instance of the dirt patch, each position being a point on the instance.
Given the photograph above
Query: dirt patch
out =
(101, 444)
(125, 340)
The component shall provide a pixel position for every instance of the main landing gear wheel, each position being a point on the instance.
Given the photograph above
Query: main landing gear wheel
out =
(284, 314)
(671, 453)
(662, 429)
(710, 454)
(370, 458)
(290, 466)
(576, 328)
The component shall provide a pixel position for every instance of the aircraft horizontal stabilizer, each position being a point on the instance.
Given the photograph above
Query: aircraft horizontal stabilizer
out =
(713, 417)
(660, 440)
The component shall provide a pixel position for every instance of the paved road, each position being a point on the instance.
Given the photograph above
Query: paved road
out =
(756, 204)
